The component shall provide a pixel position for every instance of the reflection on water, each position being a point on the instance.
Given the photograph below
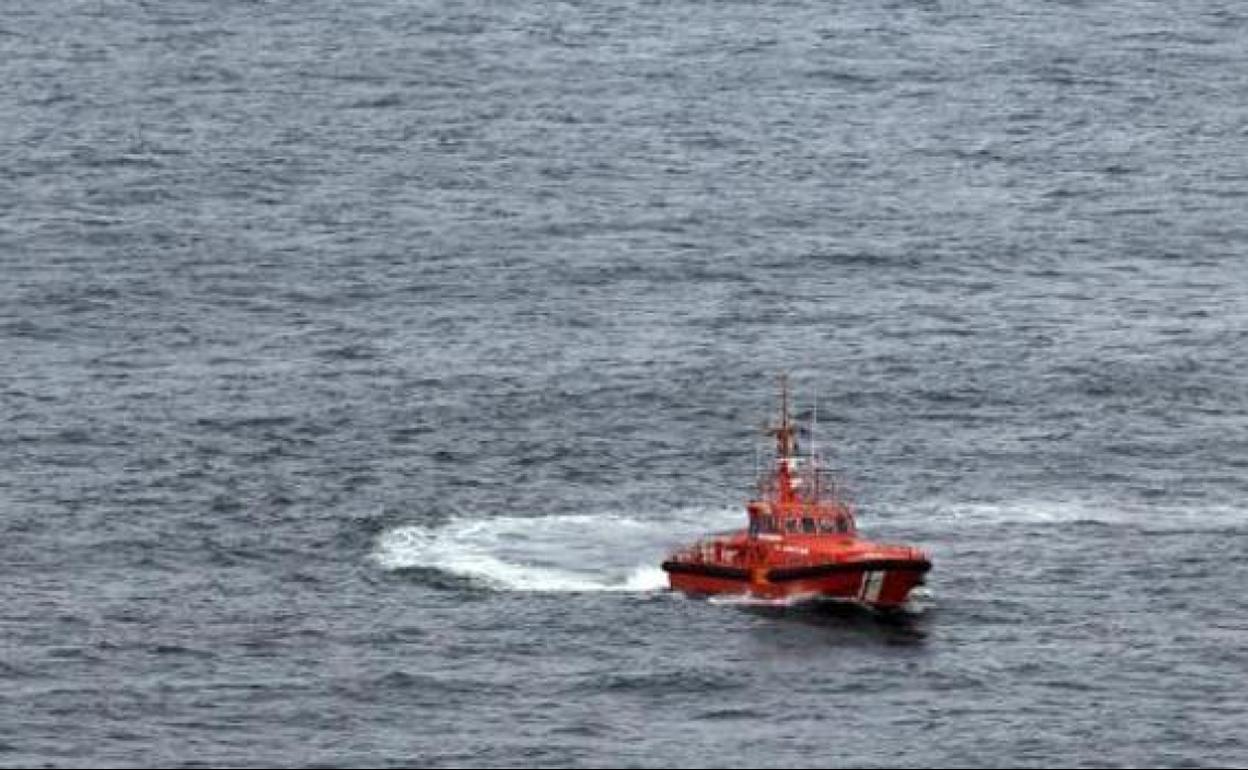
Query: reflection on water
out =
(846, 622)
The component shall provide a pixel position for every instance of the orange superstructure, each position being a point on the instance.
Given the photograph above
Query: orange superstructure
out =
(802, 541)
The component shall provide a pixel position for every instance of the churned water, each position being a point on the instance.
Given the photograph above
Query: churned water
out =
(360, 361)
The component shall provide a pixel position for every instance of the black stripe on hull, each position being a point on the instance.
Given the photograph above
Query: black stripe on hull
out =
(709, 570)
(784, 574)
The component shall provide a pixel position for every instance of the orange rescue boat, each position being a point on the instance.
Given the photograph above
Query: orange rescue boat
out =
(802, 541)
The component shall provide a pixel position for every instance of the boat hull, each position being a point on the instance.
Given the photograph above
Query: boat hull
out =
(880, 584)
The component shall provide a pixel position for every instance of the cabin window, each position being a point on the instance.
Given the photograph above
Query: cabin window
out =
(791, 525)
(808, 525)
(827, 526)
(842, 524)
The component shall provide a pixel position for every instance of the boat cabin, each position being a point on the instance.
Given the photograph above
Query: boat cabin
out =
(816, 520)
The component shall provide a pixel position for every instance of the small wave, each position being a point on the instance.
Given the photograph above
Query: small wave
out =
(1109, 512)
(578, 553)
(1070, 512)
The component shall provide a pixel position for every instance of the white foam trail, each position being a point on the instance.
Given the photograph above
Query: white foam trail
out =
(646, 578)
(578, 553)
(746, 600)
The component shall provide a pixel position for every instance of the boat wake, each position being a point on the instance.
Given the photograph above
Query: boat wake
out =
(580, 553)
(585, 553)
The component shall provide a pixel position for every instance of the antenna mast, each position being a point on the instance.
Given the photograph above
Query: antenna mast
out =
(814, 462)
(784, 434)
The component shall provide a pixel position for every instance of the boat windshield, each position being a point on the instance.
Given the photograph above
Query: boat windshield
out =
(821, 525)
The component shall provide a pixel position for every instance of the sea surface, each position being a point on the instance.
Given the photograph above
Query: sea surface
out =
(360, 361)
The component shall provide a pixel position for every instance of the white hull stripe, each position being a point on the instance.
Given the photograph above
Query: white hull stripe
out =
(872, 584)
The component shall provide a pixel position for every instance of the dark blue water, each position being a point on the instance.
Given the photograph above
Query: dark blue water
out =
(359, 362)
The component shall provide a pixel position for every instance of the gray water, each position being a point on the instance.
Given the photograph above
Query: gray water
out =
(360, 361)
